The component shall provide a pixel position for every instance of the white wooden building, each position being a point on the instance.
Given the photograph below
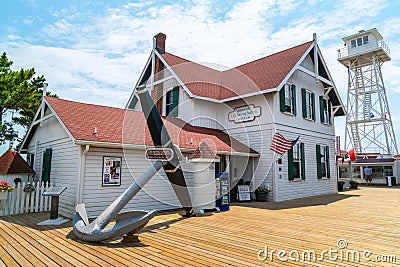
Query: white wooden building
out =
(236, 112)
(74, 144)
(290, 92)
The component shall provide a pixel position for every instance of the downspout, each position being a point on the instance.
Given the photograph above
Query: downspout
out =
(79, 194)
(42, 104)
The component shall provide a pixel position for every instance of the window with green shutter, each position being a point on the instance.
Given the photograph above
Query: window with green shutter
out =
(325, 110)
(308, 104)
(323, 166)
(46, 164)
(319, 165)
(172, 102)
(287, 99)
(296, 162)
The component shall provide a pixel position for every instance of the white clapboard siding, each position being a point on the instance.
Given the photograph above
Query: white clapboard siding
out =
(156, 194)
(312, 186)
(19, 202)
(64, 162)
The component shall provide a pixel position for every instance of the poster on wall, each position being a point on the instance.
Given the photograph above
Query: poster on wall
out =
(111, 171)
(243, 193)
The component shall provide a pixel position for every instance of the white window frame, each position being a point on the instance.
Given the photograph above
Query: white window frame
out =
(365, 39)
(297, 160)
(324, 164)
(289, 98)
(309, 105)
(165, 101)
(327, 118)
(353, 43)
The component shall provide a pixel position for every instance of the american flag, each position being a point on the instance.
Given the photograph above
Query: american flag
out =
(280, 144)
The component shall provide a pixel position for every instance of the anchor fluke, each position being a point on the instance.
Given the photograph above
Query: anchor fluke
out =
(126, 222)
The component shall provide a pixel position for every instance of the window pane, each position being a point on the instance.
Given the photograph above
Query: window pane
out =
(296, 169)
(323, 161)
(359, 41)
(323, 170)
(353, 43)
(296, 152)
(365, 39)
(343, 171)
(388, 171)
(168, 102)
(356, 172)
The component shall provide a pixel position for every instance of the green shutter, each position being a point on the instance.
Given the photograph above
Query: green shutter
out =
(328, 171)
(303, 161)
(304, 102)
(321, 108)
(313, 105)
(46, 165)
(282, 99)
(319, 167)
(330, 112)
(175, 102)
(294, 98)
(290, 164)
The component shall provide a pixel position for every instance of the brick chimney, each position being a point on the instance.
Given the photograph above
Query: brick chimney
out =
(160, 42)
(157, 94)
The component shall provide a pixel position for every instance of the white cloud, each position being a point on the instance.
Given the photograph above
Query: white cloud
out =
(97, 54)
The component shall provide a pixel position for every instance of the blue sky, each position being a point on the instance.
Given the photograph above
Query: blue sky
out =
(93, 51)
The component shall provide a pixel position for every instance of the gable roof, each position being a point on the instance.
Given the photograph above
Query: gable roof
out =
(128, 127)
(258, 75)
(11, 162)
(264, 75)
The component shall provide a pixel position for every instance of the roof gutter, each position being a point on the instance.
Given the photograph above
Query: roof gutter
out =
(110, 144)
(144, 147)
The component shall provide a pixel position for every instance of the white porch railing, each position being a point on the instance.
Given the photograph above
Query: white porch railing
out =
(19, 202)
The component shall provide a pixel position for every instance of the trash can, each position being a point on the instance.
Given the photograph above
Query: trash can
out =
(391, 180)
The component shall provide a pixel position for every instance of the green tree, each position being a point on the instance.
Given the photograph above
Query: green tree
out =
(20, 96)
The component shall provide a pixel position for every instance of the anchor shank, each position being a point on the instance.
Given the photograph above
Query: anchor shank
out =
(161, 138)
(108, 214)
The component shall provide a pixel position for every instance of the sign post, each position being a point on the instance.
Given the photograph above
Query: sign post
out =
(54, 192)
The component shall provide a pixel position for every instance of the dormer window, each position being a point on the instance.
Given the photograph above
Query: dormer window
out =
(171, 102)
(325, 110)
(288, 99)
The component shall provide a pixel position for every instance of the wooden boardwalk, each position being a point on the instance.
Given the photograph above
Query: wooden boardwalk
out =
(364, 219)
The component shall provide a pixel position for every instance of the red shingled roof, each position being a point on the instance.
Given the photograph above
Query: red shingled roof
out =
(115, 125)
(11, 162)
(262, 74)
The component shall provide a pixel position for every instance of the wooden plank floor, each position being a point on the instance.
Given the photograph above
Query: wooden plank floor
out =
(364, 219)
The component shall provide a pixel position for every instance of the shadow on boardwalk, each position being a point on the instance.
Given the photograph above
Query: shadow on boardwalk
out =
(296, 203)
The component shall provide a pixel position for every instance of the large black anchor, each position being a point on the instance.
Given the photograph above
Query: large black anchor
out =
(132, 221)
